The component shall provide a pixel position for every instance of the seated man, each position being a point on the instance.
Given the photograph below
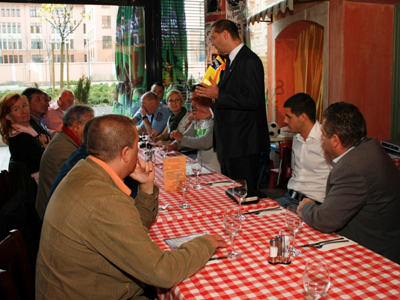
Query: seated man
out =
(60, 148)
(53, 117)
(95, 231)
(77, 155)
(154, 115)
(362, 199)
(310, 170)
(158, 89)
(38, 107)
(198, 136)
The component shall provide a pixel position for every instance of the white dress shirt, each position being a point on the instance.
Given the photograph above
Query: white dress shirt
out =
(309, 168)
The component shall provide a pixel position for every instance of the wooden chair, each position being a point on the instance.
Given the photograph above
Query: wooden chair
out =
(16, 278)
(284, 172)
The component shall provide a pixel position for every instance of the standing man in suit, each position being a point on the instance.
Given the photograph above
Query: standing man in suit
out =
(362, 199)
(240, 119)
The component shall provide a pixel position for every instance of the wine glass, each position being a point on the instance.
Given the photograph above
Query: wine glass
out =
(294, 222)
(240, 192)
(316, 278)
(197, 166)
(232, 226)
(183, 182)
(163, 152)
(149, 155)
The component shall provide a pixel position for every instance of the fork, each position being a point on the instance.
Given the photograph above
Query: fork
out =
(327, 243)
(323, 242)
(164, 207)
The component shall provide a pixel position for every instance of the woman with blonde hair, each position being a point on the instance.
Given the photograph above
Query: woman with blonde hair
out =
(25, 144)
(179, 120)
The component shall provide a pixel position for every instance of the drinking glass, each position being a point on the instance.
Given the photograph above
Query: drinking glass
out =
(294, 222)
(240, 192)
(183, 182)
(316, 278)
(145, 139)
(232, 226)
(197, 166)
(150, 155)
(163, 152)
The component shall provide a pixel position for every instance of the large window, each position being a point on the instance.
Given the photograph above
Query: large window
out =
(37, 58)
(36, 28)
(34, 11)
(36, 44)
(106, 22)
(107, 42)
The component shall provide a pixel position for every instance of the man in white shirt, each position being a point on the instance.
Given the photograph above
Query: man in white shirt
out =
(310, 170)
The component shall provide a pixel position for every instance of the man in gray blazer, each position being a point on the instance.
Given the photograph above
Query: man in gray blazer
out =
(363, 190)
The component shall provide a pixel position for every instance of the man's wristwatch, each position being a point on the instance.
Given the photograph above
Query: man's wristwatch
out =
(145, 117)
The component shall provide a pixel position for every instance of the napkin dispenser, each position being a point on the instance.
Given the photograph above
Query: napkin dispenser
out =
(279, 250)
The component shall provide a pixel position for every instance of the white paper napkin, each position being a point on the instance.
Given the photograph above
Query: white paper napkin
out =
(331, 246)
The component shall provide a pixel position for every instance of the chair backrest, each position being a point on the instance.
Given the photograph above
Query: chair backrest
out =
(283, 145)
(21, 179)
(286, 167)
(6, 190)
(15, 266)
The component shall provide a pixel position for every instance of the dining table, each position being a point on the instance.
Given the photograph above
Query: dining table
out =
(355, 271)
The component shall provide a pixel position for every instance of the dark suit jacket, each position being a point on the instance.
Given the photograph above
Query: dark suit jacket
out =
(362, 200)
(241, 127)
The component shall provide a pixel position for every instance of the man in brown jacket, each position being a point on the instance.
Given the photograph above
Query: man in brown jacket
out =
(95, 242)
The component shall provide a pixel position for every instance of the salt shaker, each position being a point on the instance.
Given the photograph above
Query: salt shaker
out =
(273, 251)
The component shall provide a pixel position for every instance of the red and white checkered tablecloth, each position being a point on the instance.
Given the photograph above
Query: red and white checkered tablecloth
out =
(205, 201)
(356, 272)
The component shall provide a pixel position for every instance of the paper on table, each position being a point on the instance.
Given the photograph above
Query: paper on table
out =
(204, 170)
(176, 242)
(337, 245)
(172, 167)
(271, 212)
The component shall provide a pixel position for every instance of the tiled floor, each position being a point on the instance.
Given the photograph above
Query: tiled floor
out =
(4, 157)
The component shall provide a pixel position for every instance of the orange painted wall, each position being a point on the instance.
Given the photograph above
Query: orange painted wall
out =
(360, 63)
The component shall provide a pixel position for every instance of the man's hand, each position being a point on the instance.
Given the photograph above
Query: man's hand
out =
(217, 240)
(202, 113)
(144, 174)
(304, 201)
(44, 140)
(143, 111)
(175, 134)
(208, 91)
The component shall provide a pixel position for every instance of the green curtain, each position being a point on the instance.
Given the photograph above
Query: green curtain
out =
(174, 42)
(129, 59)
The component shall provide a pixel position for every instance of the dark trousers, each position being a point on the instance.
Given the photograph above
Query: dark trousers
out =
(242, 168)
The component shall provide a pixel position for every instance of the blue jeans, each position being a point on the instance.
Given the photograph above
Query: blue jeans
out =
(286, 200)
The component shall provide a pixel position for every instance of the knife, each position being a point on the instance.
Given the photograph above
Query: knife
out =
(218, 182)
